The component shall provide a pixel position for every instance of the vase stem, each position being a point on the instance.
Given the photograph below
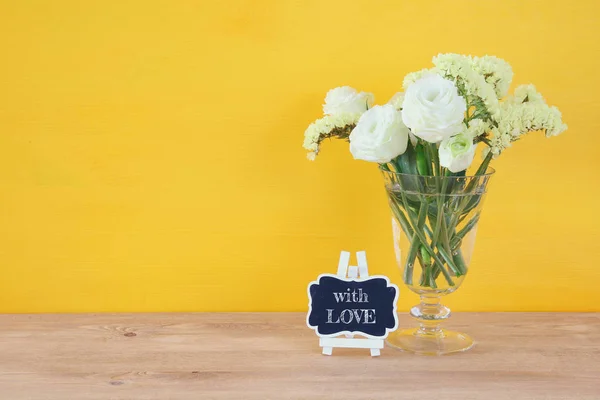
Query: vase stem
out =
(430, 313)
(430, 309)
(429, 338)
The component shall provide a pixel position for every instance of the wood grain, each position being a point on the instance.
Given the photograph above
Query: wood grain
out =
(274, 356)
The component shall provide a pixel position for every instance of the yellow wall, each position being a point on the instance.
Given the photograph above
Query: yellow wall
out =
(151, 160)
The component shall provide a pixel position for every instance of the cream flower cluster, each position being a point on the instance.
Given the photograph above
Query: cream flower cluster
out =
(478, 127)
(516, 119)
(495, 71)
(526, 93)
(397, 100)
(316, 131)
(461, 68)
(412, 77)
(498, 143)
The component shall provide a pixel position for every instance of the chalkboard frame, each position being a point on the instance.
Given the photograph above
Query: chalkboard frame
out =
(346, 332)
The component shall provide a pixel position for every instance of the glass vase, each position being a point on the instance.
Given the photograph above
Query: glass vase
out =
(434, 221)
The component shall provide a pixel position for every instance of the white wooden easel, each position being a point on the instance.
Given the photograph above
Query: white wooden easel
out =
(352, 272)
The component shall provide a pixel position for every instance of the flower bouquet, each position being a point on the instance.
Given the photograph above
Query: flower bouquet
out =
(424, 140)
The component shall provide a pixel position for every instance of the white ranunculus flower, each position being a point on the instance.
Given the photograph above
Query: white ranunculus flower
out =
(456, 153)
(380, 135)
(346, 100)
(433, 109)
(397, 101)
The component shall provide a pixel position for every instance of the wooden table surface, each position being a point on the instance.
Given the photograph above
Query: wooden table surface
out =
(275, 356)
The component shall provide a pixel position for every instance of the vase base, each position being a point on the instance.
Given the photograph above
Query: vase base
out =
(444, 342)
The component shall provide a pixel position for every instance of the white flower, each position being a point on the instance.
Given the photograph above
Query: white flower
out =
(397, 101)
(346, 100)
(379, 135)
(456, 153)
(433, 109)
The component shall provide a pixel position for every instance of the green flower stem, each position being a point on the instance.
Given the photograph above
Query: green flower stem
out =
(446, 233)
(435, 159)
(422, 213)
(402, 218)
(428, 231)
(425, 267)
(440, 188)
(466, 97)
(460, 261)
(458, 237)
(421, 237)
(410, 260)
(451, 248)
(464, 205)
(438, 226)
(440, 220)
(427, 274)
(414, 246)
(461, 268)
(444, 248)
(438, 268)
(440, 233)
(448, 258)
(396, 209)
(481, 170)
(451, 239)
(448, 250)
(456, 244)
(432, 278)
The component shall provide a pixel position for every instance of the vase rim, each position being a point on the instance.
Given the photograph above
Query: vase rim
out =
(488, 172)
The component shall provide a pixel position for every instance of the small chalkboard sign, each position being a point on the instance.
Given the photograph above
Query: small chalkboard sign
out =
(352, 305)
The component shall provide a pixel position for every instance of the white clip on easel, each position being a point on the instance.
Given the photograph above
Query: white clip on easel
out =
(352, 272)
